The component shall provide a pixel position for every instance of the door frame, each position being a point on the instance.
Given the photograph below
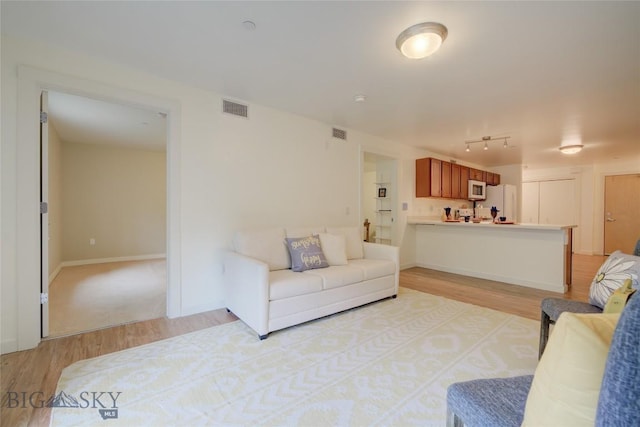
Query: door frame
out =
(31, 83)
(44, 215)
(395, 233)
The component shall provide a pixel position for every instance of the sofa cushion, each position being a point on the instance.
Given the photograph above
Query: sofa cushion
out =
(612, 273)
(287, 283)
(334, 247)
(266, 245)
(566, 384)
(337, 276)
(306, 253)
(353, 239)
(374, 268)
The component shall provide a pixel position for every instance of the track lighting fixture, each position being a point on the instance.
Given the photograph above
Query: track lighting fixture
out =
(487, 140)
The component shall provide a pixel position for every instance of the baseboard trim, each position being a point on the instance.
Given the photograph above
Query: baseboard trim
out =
(114, 259)
(195, 309)
(408, 265)
(480, 275)
(8, 346)
(55, 273)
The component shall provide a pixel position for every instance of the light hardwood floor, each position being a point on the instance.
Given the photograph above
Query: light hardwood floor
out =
(38, 370)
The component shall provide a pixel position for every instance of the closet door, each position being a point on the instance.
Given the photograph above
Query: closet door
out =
(530, 195)
(557, 202)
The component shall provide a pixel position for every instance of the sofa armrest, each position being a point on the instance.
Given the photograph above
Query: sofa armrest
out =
(246, 286)
(380, 251)
(386, 252)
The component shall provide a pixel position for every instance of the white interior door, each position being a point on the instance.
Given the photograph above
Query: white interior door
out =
(44, 216)
(557, 202)
(530, 205)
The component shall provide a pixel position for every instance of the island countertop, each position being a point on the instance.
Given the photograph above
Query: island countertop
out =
(532, 255)
(430, 221)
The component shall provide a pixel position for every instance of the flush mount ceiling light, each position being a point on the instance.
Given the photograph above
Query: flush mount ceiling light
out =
(571, 147)
(421, 40)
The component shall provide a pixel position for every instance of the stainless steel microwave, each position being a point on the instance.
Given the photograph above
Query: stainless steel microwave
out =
(477, 190)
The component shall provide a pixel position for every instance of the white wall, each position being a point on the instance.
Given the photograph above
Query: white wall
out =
(116, 196)
(273, 169)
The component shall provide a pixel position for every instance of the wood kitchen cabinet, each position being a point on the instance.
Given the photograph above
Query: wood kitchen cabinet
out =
(438, 178)
(428, 177)
(455, 181)
(464, 182)
(493, 178)
(445, 183)
(477, 175)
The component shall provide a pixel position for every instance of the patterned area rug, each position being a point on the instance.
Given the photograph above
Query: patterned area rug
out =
(388, 363)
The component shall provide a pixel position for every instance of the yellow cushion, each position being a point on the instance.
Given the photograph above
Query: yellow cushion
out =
(566, 384)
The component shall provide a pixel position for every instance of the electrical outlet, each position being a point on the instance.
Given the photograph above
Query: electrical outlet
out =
(92, 241)
(405, 206)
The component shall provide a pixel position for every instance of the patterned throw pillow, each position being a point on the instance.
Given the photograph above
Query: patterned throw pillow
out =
(611, 275)
(306, 253)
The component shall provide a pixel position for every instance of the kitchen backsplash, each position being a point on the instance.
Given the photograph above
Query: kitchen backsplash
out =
(433, 208)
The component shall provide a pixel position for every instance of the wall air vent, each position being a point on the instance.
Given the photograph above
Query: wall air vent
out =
(339, 133)
(234, 108)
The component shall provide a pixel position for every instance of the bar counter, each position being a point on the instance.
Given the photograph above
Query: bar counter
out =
(533, 255)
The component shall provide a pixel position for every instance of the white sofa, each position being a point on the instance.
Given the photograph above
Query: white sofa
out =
(263, 291)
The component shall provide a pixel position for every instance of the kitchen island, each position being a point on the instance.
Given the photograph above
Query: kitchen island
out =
(532, 255)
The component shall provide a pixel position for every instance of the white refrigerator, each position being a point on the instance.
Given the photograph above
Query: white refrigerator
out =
(503, 197)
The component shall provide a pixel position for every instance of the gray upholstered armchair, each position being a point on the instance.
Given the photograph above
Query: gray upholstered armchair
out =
(500, 402)
(552, 308)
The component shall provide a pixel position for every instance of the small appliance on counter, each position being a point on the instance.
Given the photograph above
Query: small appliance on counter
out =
(483, 213)
(465, 213)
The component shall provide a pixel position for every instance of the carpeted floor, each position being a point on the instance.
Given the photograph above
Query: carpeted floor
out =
(388, 363)
(87, 297)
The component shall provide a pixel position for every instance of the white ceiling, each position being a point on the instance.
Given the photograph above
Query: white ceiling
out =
(83, 120)
(536, 71)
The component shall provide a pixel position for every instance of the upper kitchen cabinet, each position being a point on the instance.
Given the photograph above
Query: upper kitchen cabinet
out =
(438, 178)
(464, 182)
(455, 181)
(445, 181)
(428, 177)
(459, 181)
(492, 178)
(477, 175)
